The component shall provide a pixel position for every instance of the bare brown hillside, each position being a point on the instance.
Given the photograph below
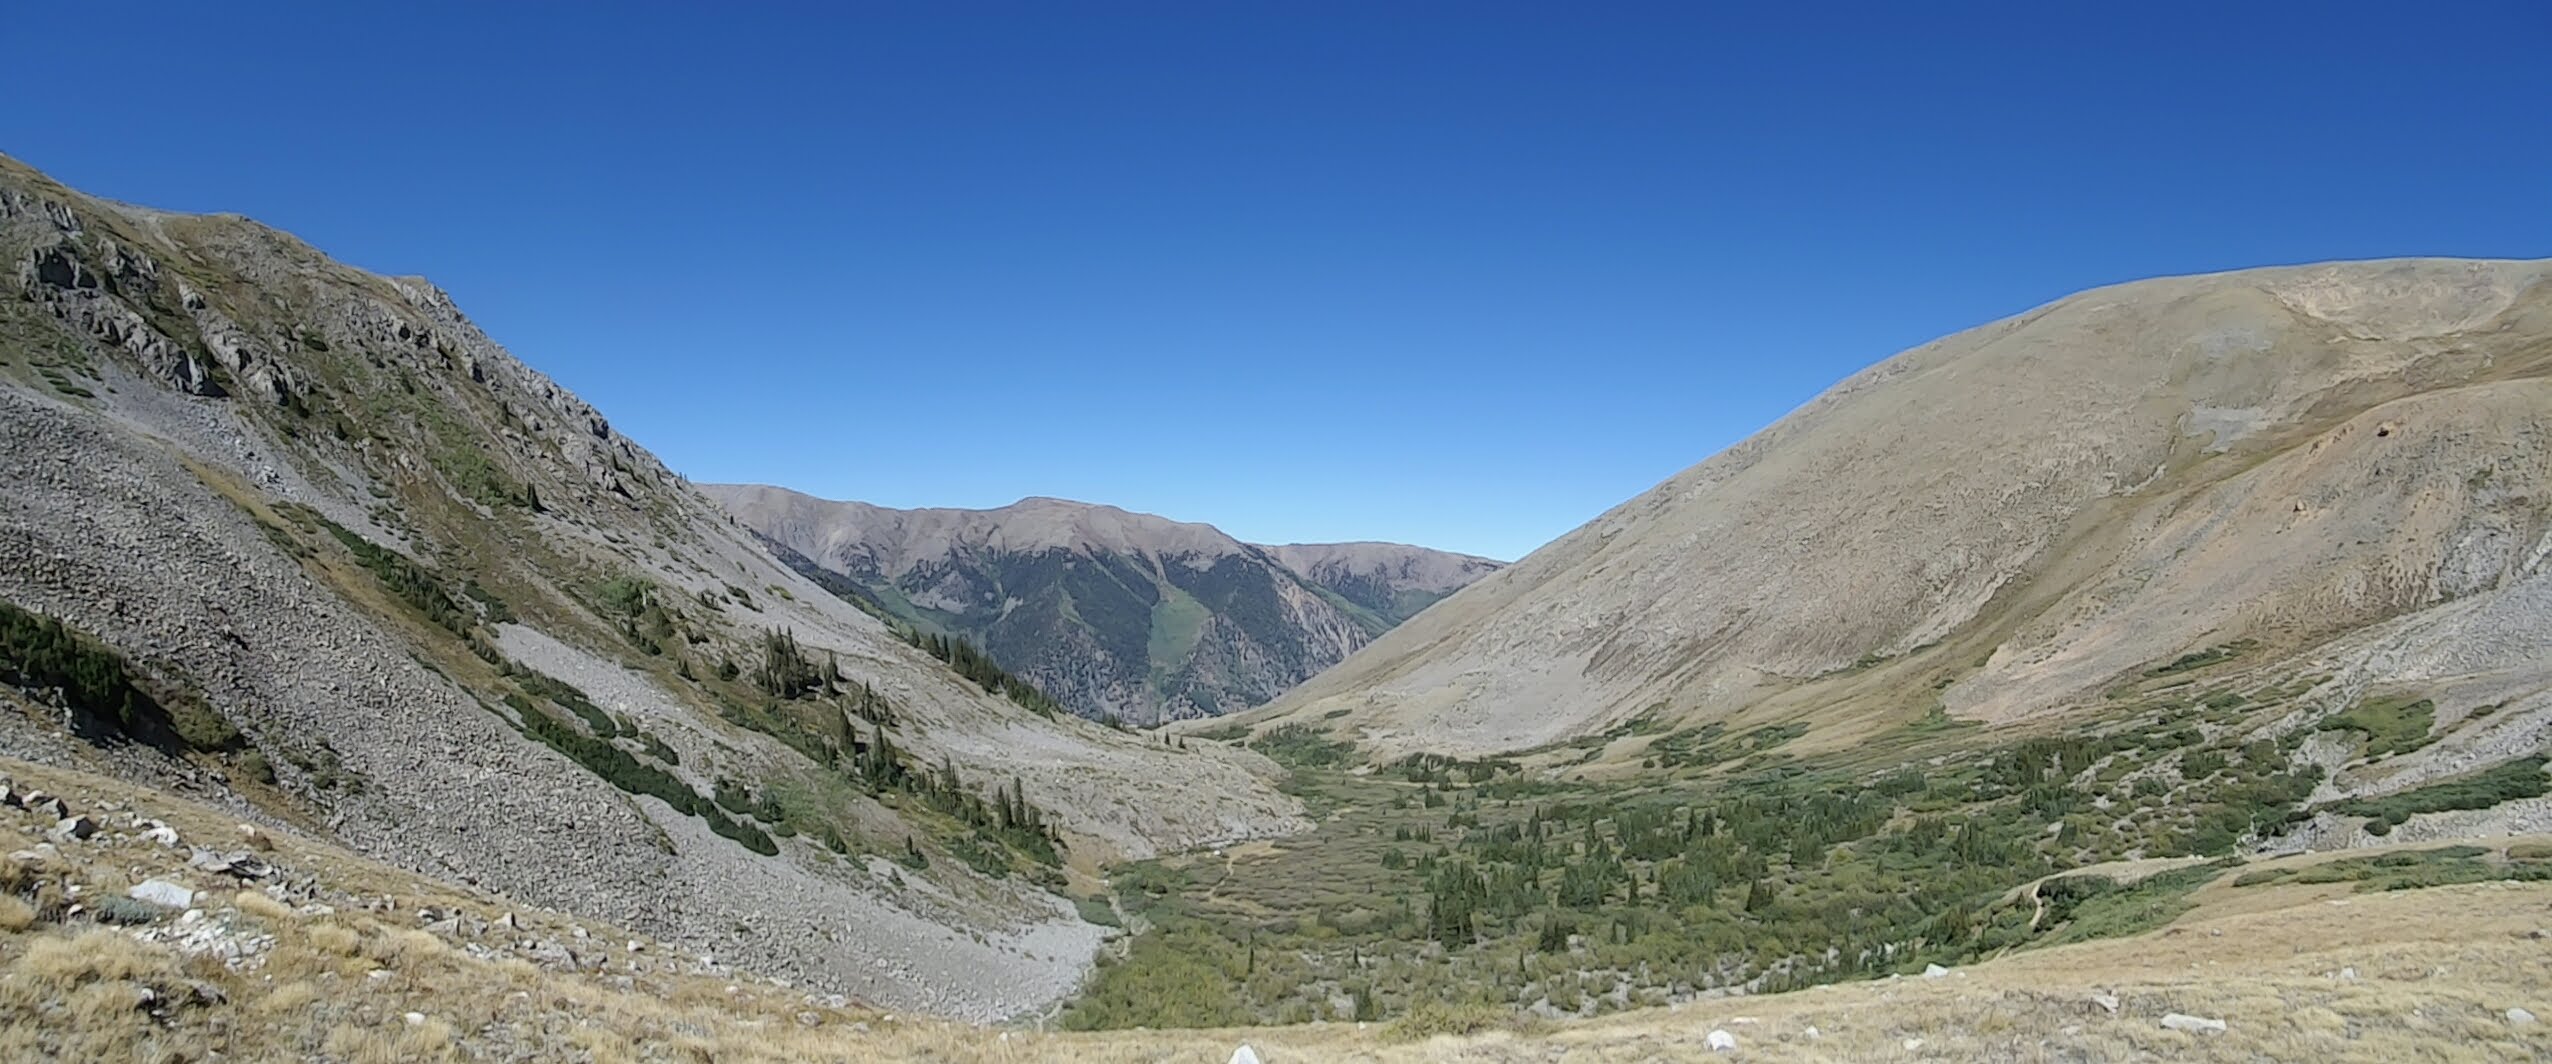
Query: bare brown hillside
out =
(2343, 468)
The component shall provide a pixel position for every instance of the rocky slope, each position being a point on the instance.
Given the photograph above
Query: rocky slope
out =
(1116, 614)
(283, 947)
(2335, 475)
(396, 587)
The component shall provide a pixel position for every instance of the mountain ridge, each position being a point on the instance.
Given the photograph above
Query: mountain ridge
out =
(427, 604)
(2060, 463)
(1179, 619)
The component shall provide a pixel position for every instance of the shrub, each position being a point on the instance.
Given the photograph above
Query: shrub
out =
(42, 652)
(2389, 726)
(2505, 782)
(1302, 746)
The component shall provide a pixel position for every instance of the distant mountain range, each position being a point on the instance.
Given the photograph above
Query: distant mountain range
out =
(1115, 614)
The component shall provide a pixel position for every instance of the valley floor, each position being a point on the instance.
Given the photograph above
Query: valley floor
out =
(328, 956)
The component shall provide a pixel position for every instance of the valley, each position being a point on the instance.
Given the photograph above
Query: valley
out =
(449, 722)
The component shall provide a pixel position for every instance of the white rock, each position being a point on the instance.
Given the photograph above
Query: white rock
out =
(2192, 1024)
(1912, 1044)
(1244, 1055)
(164, 894)
(2520, 1018)
(1720, 1041)
(2348, 975)
(414, 1019)
(2108, 1003)
(163, 835)
(1812, 1033)
(1934, 971)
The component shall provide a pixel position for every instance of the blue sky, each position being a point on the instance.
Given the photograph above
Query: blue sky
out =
(1459, 274)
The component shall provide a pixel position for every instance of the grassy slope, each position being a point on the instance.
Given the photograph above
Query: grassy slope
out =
(1177, 622)
(2435, 970)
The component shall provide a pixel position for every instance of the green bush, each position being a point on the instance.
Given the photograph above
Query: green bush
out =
(1302, 746)
(1097, 911)
(618, 768)
(2389, 726)
(2505, 782)
(42, 652)
(405, 580)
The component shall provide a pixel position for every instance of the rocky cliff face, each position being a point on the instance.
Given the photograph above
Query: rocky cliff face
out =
(1115, 614)
(2327, 469)
(450, 617)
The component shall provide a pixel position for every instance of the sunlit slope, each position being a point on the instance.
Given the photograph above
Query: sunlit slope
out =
(2004, 521)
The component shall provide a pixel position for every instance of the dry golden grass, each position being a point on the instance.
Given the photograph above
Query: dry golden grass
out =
(2435, 971)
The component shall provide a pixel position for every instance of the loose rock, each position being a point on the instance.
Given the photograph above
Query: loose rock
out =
(2192, 1024)
(164, 894)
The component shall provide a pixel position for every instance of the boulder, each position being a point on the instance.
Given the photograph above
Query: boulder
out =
(1720, 1041)
(2107, 1003)
(1244, 1055)
(164, 894)
(241, 864)
(2518, 1017)
(2178, 1021)
(1934, 971)
(74, 827)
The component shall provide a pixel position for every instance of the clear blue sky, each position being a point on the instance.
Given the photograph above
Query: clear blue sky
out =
(1459, 274)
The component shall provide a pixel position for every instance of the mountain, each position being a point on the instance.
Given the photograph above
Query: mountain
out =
(300, 542)
(1392, 581)
(2050, 631)
(1117, 615)
(2336, 470)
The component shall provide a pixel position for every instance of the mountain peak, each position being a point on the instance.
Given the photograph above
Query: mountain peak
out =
(1169, 618)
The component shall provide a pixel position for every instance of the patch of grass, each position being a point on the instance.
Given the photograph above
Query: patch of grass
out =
(623, 770)
(2405, 870)
(1303, 746)
(1431, 1018)
(1709, 745)
(1097, 911)
(2504, 782)
(43, 653)
(1178, 620)
(2388, 726)
(567, 696)
(2192, 662)
(406, 580)
(1175, 978)
(2091, 906)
